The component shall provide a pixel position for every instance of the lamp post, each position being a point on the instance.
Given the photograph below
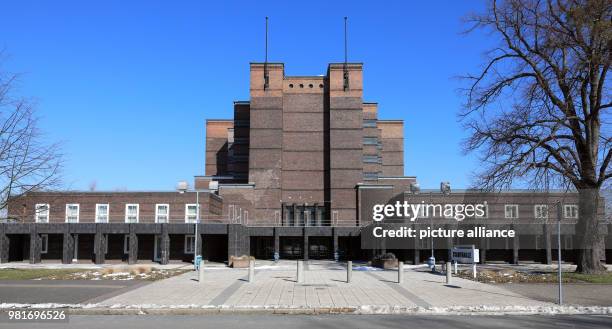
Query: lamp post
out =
(559, 214)
(183, 187)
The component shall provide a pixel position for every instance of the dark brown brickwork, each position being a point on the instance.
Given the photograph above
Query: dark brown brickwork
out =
(307, 140)
(392, 137)
(22, 209)
(217, 146)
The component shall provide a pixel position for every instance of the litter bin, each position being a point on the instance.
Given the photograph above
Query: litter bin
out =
(198, 260)
(431, 262)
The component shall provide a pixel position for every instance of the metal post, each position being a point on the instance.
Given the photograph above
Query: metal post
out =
(474, 270)
(449, 273)
(349, 271)
(251, 270)
(300, 271)
(195, 254)
(400, 272)
(201, 271)
(559, 252)
(455, 267)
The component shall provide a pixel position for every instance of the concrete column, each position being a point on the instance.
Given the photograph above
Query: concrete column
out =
(483, 251)
(296, 222)
(547, 244)
(67, 248)
(4, 244)
(400, 272)
(165, 245)
(99, 245)
(238, 240)
(35, 244)
(317, 215)
(306, 245)
(133, 251)
(449, 274)
(415, 245)
(515, 250)
(276, 244)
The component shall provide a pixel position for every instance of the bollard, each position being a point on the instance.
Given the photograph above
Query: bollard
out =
(449, 274)
(455, 267)
(201, 271)
(474, 270)
(300, 271)
(349, 271)
(251, 270)
(400, 272)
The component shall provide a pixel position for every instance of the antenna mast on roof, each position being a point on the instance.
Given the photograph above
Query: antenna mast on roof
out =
(266, 75)
(345, 68)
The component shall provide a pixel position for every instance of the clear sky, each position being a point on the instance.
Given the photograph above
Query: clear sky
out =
(126, 86)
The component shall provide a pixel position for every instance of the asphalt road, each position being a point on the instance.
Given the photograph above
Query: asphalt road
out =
(62, 291)
(326, 321)
(573, 293)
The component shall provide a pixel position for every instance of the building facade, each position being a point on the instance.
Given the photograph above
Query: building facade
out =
(287, 177)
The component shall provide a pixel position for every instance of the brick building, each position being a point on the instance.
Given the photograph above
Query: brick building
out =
(286, 177)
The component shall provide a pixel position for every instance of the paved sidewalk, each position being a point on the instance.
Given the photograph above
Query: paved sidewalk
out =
(324, 286)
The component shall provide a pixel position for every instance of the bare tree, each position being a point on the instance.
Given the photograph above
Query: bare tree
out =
(27, 163)
(540, 107)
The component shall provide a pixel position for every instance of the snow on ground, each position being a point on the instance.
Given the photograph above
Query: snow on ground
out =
(364, 309)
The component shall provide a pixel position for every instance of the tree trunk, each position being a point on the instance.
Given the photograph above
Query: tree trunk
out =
(588, 239)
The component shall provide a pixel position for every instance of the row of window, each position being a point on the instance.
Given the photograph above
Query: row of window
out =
(189, 246)
(162, 212)
(131, 215)
(540, 211)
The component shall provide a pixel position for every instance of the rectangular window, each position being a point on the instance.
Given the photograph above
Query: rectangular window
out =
(44, 243)
(486, 211)
(131, 213)
(570, 211)
(42, 213)
(126, 244)
(189, 244)
(191, 213)
(162, 213)
(370, 141)
(511, 211)
(370, 175)
(540, 211)
(369, 123)
(72, 213)
(102, 213)
(371, 159)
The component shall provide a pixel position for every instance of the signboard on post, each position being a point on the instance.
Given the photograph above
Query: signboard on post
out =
(466, 254)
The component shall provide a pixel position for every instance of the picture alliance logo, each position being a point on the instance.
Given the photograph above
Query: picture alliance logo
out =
(414, 211)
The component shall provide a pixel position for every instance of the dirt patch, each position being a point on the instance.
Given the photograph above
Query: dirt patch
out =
(514, 276)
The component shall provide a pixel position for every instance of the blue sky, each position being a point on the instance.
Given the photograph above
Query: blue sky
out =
(126, 86)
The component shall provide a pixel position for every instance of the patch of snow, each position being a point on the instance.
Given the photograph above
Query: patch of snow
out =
(366, 268)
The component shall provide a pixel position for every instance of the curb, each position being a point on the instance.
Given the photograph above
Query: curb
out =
(117, 309)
